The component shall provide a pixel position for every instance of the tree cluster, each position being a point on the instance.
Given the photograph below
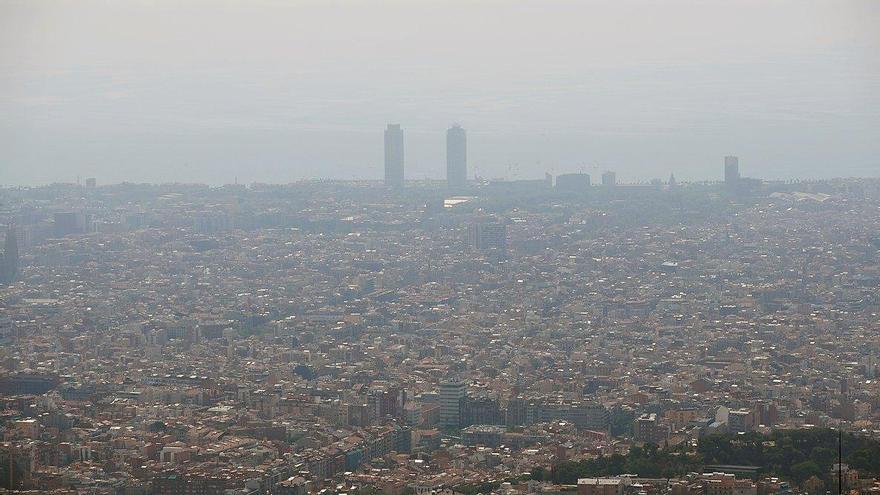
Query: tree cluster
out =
(795, 455)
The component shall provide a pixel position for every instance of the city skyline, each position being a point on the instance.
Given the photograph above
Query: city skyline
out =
(395, 170)
(641, 87)
(456, 171)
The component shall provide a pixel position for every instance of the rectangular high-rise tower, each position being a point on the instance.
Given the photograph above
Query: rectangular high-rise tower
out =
(452, 393)
(394, 155)
(609, 178)
(485, 235)
(456, 157)
(731, 170)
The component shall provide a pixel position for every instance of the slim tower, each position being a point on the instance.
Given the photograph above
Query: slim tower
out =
(731, 170)
(9, 260)
(456, 157)
(394, 156)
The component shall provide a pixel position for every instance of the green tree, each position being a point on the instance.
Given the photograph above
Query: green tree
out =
(802, 471)
(539, 473)
(824, 457)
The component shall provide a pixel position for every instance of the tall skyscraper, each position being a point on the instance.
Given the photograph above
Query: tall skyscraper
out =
(456, 157)
(731, 170)
(9, 265)
(451, 396)
(394, 155)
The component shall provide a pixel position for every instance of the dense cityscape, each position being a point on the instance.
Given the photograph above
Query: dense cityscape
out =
(442, 337)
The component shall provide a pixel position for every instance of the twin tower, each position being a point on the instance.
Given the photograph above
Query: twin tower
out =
(456, 156)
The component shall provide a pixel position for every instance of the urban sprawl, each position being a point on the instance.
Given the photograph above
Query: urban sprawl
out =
(460, 337)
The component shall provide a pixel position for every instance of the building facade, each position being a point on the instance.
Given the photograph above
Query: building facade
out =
(394, 156)
(452, 394)
(731, 170)
(456, 157)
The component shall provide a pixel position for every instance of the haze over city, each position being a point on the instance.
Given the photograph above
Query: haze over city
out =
(272, 91)
(623, 247)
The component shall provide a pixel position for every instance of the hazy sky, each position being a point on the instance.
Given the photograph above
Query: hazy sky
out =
(275, 91)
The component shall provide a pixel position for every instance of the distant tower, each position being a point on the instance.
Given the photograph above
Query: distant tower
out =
(456, 157)
(672, 182)
(451, 395)
(9, 267)
(731, 170)
(486, 235)
(394, 156)
(609, 178)
(573, 182)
